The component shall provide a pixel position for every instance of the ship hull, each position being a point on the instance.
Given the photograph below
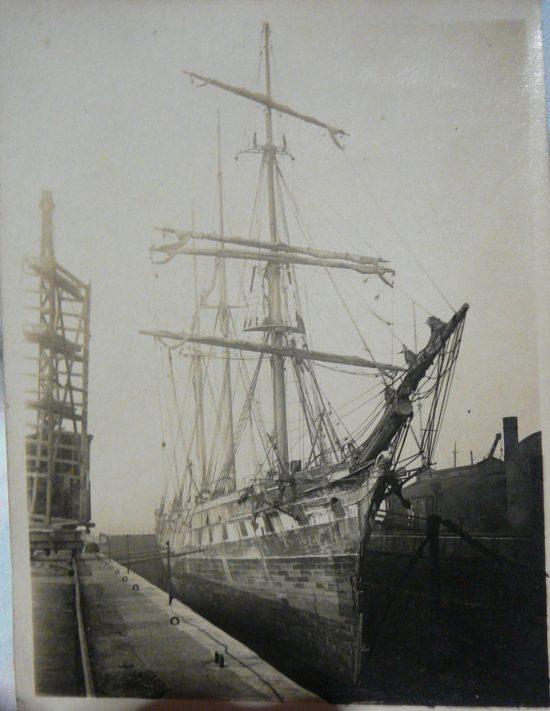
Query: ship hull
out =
(293, 592)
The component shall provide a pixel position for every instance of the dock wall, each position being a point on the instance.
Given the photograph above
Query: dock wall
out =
(484, 643)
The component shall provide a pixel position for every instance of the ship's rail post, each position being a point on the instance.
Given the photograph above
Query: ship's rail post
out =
(109, 548)
(169, 571)
(432, 534)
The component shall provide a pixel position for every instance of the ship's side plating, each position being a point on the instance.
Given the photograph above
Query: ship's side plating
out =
(290, 574)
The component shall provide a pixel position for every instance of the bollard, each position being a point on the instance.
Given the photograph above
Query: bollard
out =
(222, 661)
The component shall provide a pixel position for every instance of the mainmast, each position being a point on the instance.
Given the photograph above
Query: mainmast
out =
(274, 279)
(229, 476)
(277, 255)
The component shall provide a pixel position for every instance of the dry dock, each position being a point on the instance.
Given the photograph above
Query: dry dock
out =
(138, 645)
(56, 645)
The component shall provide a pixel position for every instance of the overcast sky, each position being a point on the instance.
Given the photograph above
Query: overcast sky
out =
(442, 161)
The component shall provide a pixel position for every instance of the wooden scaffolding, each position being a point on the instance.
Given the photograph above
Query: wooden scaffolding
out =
(58, 448)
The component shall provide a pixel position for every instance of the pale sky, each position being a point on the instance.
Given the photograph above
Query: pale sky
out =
(444, 155)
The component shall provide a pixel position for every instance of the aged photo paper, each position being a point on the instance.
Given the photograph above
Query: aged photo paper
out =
(274, 295)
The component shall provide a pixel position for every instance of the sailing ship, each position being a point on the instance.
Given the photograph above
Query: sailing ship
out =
(282, 546)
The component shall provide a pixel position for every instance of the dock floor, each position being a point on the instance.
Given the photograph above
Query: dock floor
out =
(136, 651)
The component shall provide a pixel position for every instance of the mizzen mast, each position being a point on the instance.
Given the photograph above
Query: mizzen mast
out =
(198, 383)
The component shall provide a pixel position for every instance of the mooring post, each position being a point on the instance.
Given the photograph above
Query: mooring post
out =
(127, 553)
(169, 570)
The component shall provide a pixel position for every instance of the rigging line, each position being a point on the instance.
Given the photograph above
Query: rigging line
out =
(289, 275)
(180, 431)
(329, 427)
(340, 420)
(339, 411)
(243, 417)
(455, 349)
(392, 322)
(161, 413)
(359, 432)
(175, 459)
(214, 451)
(318, 413)
(356, 373)
(400, 441)
(396, 231)
(431, 430)
(341, 234)
(258, 419)
(362, 429)
(372, 398)
(354, 322)
(260, 187)
(308, 416)
(305, 230)
(246, 409)
(361, 405)
(418, 443)
(413, 301)
(357, 397)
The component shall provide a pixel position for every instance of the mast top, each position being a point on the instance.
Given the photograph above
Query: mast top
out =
(47, 206)
(266, 99)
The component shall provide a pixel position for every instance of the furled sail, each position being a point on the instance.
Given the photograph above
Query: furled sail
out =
(287, 351)
(272, 252)
(267, 101)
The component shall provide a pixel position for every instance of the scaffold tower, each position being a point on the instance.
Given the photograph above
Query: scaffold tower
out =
(58, 448)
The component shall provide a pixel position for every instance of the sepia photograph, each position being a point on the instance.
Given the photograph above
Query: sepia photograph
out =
(273, 282)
